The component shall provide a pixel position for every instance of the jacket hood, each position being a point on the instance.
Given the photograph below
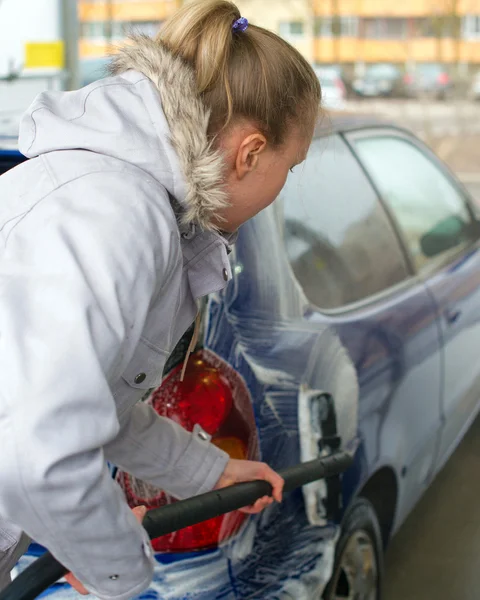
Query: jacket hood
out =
(147, 114)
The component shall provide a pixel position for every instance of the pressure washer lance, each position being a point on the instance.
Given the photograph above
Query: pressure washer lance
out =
(46, 570)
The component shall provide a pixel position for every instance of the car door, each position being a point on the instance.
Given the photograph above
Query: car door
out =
(441, 235)
(348, 259)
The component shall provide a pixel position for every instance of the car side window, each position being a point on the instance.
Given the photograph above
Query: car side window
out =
(431, 212)
(340, 243)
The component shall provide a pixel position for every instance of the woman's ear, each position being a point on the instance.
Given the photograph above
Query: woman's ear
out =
(249, 153)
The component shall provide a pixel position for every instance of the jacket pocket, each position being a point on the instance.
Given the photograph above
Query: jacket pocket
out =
(146, 367)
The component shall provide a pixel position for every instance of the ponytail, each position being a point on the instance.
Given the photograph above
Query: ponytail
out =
(253, 74)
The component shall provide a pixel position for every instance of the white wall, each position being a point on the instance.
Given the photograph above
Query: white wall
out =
(26, 21)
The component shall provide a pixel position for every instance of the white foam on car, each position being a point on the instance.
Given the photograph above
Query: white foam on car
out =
(338, 377)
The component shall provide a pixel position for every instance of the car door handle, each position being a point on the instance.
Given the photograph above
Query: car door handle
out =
(452, 315)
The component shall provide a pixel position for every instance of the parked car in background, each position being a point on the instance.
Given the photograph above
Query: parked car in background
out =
(334, 93)
(341, 71)
(429, 80)
(361, 277)
(475, 90)
(381, 79)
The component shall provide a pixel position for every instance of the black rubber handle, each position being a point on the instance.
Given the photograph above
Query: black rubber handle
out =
(46, 570)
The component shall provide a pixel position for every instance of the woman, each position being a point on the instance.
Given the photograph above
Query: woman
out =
(119, 223)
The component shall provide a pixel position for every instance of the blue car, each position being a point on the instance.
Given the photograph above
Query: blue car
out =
(362, 282)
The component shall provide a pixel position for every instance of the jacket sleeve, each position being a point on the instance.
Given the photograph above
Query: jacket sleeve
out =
(74, 291)
(159, 451)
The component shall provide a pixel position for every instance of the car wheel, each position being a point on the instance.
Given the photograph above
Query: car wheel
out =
(358, 569)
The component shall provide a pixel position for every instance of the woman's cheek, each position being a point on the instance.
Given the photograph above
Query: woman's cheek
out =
(279, 186)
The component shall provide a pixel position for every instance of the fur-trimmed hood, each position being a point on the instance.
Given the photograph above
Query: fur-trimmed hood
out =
(159, 125)
(187, 119)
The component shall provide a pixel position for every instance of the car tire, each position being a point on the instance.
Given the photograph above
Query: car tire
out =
(358, 569)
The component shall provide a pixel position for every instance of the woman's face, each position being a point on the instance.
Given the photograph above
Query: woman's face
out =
(256, 172)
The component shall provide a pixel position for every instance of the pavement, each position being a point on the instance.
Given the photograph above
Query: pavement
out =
(436, 553)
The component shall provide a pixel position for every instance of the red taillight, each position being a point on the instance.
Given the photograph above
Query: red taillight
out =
(443, 78)
(204, 397)
(214, 396)
(198, 537)
(202, 536)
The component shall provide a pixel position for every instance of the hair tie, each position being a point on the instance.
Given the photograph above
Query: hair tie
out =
(240, 25)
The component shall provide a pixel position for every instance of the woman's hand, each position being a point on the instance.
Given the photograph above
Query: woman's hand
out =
(237, 471)
(139, 512)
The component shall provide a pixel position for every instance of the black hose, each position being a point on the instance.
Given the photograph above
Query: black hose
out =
(46, 570)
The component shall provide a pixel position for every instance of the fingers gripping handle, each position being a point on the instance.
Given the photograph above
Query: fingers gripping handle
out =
(178, 515)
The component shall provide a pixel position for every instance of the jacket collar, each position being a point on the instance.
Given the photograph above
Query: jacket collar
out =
(187, 119)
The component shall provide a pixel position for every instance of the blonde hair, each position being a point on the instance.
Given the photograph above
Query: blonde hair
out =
(253, 74)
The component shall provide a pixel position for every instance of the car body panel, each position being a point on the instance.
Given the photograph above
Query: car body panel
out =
(456, 290)
(395, 347)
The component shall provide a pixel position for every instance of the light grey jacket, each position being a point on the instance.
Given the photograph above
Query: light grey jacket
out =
(97, 284)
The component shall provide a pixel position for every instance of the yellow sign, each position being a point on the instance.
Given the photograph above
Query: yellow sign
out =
(44, 55)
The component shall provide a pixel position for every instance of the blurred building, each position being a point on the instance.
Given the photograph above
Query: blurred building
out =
(352, 31)
(31, 55)
(29, 43)
(104, 23)
(325, 31)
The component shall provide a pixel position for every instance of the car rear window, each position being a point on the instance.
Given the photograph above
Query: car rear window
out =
(383, 71)
(339, 241)
(432, 70)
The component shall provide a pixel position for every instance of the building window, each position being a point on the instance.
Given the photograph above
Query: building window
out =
(349, 26)
(471, 27)
(100, 30)
(323, 27)
(386, 28)
(439, 26)
(93, 30)
(119, 30)
(108, 2)
(291, 29)
(424, 27)
(346, 26)
(150, 28)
